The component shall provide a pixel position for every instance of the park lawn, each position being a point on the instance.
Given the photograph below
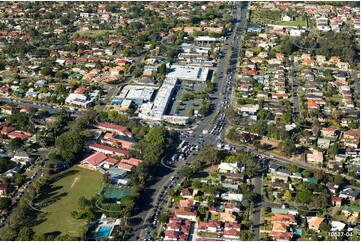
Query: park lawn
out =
(67, 187)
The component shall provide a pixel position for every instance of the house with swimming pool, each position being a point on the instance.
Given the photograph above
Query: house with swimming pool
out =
(105, 227)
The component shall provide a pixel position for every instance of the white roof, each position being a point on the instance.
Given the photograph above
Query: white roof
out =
(191, 73)
(337, 226)
(228, 166)
(205, 38)
(232, 196)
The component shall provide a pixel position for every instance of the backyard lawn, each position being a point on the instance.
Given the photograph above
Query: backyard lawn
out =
(297, 22)
(62, 198)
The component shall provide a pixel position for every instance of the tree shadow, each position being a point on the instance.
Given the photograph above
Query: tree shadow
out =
(63, 174)
(52, 234)
(48, 192)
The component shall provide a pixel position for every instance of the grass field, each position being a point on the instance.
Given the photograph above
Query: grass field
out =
(296, 22)
(65, 190)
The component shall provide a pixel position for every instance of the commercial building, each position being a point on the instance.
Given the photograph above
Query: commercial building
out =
(155, 110)
(206, 40)
(138, 94)
(82, 100)
(188, 73)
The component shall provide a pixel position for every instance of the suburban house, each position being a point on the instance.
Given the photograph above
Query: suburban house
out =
(21, 157)
(316, 157)
(350, 194)
(332, 187)
(336, 201)
(351, 211)
(186, 213)
(4, 188)
(187, 193)
(314, 223)
(256, 28)
(284, 218)
(229, 167)
(210, 227)
(231, 233)
(19, 134)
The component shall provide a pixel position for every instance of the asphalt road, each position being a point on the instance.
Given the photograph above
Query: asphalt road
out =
(153, 193)
(256, 213)
(38, 105)
(296, 103)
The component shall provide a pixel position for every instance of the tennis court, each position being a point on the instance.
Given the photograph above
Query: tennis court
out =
(114, 194)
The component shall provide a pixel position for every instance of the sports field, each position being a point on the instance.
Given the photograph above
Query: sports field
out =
(62, 198)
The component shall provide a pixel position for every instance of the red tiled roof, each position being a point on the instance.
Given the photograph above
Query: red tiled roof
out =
(4, 186)
(231, 232)
(109, 148)
(121, 129)
(186, 192)
(19, 134)
(95, 159)
(125, 166)
(132, 161)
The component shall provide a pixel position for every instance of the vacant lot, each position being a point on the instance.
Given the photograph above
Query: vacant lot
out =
(62, 198)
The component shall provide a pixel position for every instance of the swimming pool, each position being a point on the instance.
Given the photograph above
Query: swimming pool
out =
(103, 231)
(298, 232)
(219, 207)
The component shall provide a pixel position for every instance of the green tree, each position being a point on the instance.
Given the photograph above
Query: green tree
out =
(246, 235)
(25, 234)
(209, 155)
(6, 165)
(307, 173)
(338, 179)
(191, 112)
(186, 172)
(324, 227)
(287, 117)
(4, 202)
(334, 150)
(287, 146)
(304, 196)
(163, 217)
(82, 202)
(16, 143)
(47, 71)
(162, 69)
(287, 196)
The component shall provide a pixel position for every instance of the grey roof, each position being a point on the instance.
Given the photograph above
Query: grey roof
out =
(116, 172)
(285, 171)
(274, 166)
(350, 192)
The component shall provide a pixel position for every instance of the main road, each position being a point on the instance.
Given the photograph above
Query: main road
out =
(153, 192)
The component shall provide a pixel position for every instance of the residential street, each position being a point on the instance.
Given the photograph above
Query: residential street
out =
(257, 210)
